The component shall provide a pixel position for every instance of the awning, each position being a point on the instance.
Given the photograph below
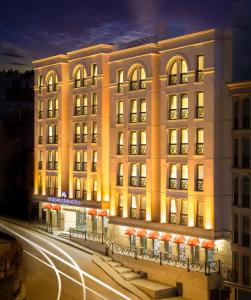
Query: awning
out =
(130, 231)
(193, 242)
(92, 212)
(47, 205)
(56, 207)
(208, 244)
(142, 233)
(179, 239)
(166, 237)
(154, 235)
(102, 213)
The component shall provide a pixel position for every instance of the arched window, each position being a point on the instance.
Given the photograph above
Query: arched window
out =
(138, 79)
(80, 77)
(246, 192)
(246, 113)
(52, 82)
(178, 72)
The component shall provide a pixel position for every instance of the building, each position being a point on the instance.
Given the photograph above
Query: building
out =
(134, 142)
(241, 202)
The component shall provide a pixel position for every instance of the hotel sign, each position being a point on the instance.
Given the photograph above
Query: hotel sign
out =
(63, 201)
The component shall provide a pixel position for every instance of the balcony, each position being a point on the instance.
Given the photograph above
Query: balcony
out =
(94, 167)
(133, 149)
(50, 165)
(142, 214)
(183, 78)
(184, 219)
(199, 221)
(80, 82)
(199, 149)
(142, 117)
(94, 80)
(133, 212)
(40, 140)
(120, 180)
(120, 150)
(199, 185)
(52, 87)
(199, 112)
(142, 181)
(40, 114)
(120, 87)
(142, 149)
(84, 166)
(94, 138)
(84, 138)
(77, 194)
(173, 149)
(184, 148)
(184, 113)
(94, 109)
(77, 138)
(77, 111)
(84, 194)
(77, 166)
(50, 114)
(173, 114)
(94, 195)
(173, 218)
(133, 117)
(84, 110)
(137, 85)
(173, 183)
(52, 139)
(120, 211)
(183, 184)
(134, 181)
(55, 165)
(120, 118)
(199, 76)
(173, 79)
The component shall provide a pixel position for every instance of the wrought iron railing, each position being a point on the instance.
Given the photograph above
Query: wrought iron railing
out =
(77, 166)
(183, 78)
(77, 194)
(94, 80)
(84, 110)
(142, 117)
(137, 85)
(94, 109)
(183, 219)
(133, 212)
(77, 138)
(199, 185)
(84, 166)
(94, 138)
(50, 114)
(84, 138)
(199, 148)
(40, 165)
(40, 114)
(50, 165)
(183, 184)
(120, 118)
(173, 218)
(199, 75)
(173, 149)
(133, 149)
(173, 114)
(142, 181)
(134, 181)
(77, 111)
(133, 117)
(120, 149)
(173, 183)
(173, 79)
(120, 180)
(184, 148)
(199, 112)
(184, 113)
(94, 166)
(142, 149)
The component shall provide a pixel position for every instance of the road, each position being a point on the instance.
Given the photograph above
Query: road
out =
(54, 270)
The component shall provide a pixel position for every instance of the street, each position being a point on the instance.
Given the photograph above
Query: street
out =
(54, 270)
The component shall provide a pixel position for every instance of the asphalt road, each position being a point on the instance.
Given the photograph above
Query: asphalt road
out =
(54, 270)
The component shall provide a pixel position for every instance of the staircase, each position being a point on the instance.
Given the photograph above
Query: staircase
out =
(64, 235)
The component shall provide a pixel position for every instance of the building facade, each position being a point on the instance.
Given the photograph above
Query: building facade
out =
(134, 142)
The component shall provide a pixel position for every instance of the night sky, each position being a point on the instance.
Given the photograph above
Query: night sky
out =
(33, 29)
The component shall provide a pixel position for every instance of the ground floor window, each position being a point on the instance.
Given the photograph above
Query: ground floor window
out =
(209, 254)
(94, 224)
(104, 225)
(181, 251)
(168, 247)
(155, 246)
(143, 242)
(132, 240)
(81, 221)
(195, 253)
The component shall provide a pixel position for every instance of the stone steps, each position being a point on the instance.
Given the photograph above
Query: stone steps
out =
(114, 264)
(131, 276)
(122, 270)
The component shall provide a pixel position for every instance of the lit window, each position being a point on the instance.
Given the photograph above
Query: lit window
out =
(120, 81)
(143, 110)
(200, 213)
(200, 178)
(138, 79)
(184, 177)
(173, 142)
(184, 141)
(200, 68)
(184, 106)
(200, 141)
(173, 107)
(200, 105)
(94, 73)
(173, 177)
(120, 112)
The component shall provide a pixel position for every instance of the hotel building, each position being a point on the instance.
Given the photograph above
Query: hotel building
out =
(134, 142)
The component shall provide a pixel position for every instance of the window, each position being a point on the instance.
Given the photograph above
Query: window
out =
(173, 211)
(94, 160)
(178, 72)
(94, 103)
(133, 112)
(49, 108)
(235, 263)
(120, 112)
(55, 160)
(200, 178)
(173, 142)
(184, 177)
(142, 146)
(173, 177)
(40, 160)
(138, 79)
(142, 213)
(246, 108)
(200, 68)
(52, 83)
(84, 164)
(245, 153)
(133, 210)
(173, 74)
(120, 81)
(173, 115)
(236, 115)
(55, 108)
(49, 161)
(245, 232)
(84, 105)
(200, 213)
(246, 270)
(120, 143)
(40, 134)
(184, 212)
(49, 185)
(184, 141)
(78, 188)
(235, 229)
(200, 105)
(40, 83)
(236, 191)
(133, 146)
(246, 192)
(236, 152)
(120, 205)
(80, 77)
(94, 73)
(134, 175)
(200, 142)
(95, 190)
(195, 253)
(142, 175)
(40, 109)
(77, 110)
(40, 185)
(84, 138)
(77, 161)
(94, 132)
(142, 110)
(50, 135)
(120, 174)
(184, 106)
(183, 75)
(77, 138)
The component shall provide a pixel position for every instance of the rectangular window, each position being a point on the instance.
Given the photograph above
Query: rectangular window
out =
(133, 112)
(173, 211)
(55, 108)
(94, 103)
(40, 160)
(184, 106)
(200, 141)
(184, 141)
(142, 110)
(94, 132)
(200, 178)
(94, 160)
(40, 109)
(184, 212)
(133, 146)
(120, 205)
(173, 115)
(246, 270)
(200, 68)
(142, 208)
(134, 175)
(184, 177)
(84, 105)
(77, 110)
(142, 175)
(200, 213)
(120, 112)
(235, 229)
(120, 143)
(173, 142)
(120, 81)
(40, 134)
(173, 177)
(84, 163)
(142, 147)
(120, 174)
(40, 83)
(94, 73)
(133, 207)
(200, 105)
(245, 232)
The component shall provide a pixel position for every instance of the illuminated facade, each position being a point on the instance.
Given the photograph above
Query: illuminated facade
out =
(142, 134)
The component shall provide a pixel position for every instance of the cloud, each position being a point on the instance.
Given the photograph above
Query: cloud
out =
(11, 54)
(17, 64)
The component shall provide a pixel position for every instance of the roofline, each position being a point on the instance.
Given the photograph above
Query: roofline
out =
(62, 56)
(239, 84)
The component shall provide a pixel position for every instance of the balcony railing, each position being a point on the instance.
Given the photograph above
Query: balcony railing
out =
(120, 211)
(172, 183)
(173, 218)
(55, 139)
(84, 138)
(80, 82)
(134, 181)
(84, 166)
(199, 185)
(137, 85)
(120, 118)
(55, 165)
(184, 113)
(199, 221)
(120, 87)
(52, 139)
(94, 80)
(133, 149)
(133, 213)
(172, 149)
(40, 114)
(40, 165)
(120, 149)
(94, 138)
(77, 111)
(40, 140)
(199, 112)
(142, 117)
(84, 110)
(120, 180)
(184, 148)
(77, 166)
(55, 113)
(142, 181)
(199, 148)
(142, 214)
(133, 117)
(94, 109)
(50, 165)
(77, 138)
(94, 195)
(50, 114)
(183, 184)
(142, 149)
(173, 114)
(199, 75)
(77, 194)
(173, 79)
(183, 78)
(184, 219)
(94, 167)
